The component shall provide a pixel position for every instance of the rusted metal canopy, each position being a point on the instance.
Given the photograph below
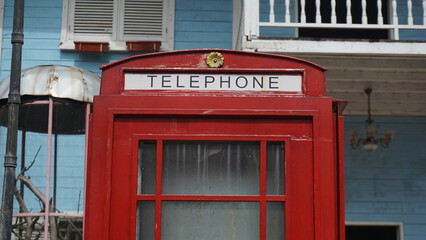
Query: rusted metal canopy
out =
(56, 81)
(71, 88)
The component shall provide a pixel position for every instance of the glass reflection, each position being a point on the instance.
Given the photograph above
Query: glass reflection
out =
(275, 168)
(210, 220)
(145, 220)
(275, 225)
(147, 166)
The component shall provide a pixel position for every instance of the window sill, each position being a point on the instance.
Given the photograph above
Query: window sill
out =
(118, 46)
(91, 46)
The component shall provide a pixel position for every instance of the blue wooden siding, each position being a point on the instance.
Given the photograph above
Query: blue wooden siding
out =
(42, 30)
(389, 185)
(70, 168)
(198, 24)
(203, 24)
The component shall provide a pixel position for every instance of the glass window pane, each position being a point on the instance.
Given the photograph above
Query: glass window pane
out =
(211, 167)
(147, 166)
(275, 168)
(145, 220)
(275, 225)
(210, 220)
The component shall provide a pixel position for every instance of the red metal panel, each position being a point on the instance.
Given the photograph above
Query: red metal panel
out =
(325, 174)
(338, 107)
(299, 165)
(146, 118)
(313, 149)
(341, 178)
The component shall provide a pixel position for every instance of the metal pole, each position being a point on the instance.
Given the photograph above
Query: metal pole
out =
(14, 101)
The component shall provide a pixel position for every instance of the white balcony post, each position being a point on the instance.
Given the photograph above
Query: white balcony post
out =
(287, 11)
(251, 18)
(303, 13)
(318, 11)
(364, 12)
(395, 20)
(424, 12)
(379, 12)
(271, 11)
(333, 11)
(348, 12)
(410, 12)
(394, 12)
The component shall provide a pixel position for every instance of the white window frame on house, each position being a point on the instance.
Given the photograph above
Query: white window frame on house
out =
(117, 39)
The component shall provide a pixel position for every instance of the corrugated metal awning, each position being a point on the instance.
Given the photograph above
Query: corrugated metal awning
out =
(71, 89)
(56, 81)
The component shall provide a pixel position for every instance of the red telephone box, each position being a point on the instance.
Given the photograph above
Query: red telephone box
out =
(214, 144)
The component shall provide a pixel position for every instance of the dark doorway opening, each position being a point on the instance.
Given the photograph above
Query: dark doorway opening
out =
(341, 10)
(372, 232)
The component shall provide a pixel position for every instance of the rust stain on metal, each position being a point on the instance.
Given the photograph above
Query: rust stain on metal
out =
(52, 82)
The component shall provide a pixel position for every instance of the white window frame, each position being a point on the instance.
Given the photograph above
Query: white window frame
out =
(117, 40)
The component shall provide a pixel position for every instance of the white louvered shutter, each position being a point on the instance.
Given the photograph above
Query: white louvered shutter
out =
(143, 18)
(93, 16)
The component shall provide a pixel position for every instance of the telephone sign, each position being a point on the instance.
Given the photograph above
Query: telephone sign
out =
(213, 82)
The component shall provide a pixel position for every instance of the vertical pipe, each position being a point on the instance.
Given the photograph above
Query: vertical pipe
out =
(348, 12)
(14, 100)
(302, 11)
(23, 149)
(379, 12)
(410, 12)
(21, 184)
(271, 11)
(48, 164)
(55, 168)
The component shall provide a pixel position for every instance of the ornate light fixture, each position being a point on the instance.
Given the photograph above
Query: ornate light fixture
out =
(370, 142)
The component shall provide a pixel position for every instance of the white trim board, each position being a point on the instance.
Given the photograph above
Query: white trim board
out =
(335, 47)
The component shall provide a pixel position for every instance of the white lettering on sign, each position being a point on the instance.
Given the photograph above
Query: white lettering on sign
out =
(213, 82)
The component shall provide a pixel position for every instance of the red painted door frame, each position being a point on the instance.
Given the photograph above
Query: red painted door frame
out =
(117, 124)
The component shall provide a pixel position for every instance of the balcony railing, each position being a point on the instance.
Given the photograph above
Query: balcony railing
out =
(391, 15)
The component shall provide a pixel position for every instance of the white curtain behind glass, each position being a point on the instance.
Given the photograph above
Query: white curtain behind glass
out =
(211, 168)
